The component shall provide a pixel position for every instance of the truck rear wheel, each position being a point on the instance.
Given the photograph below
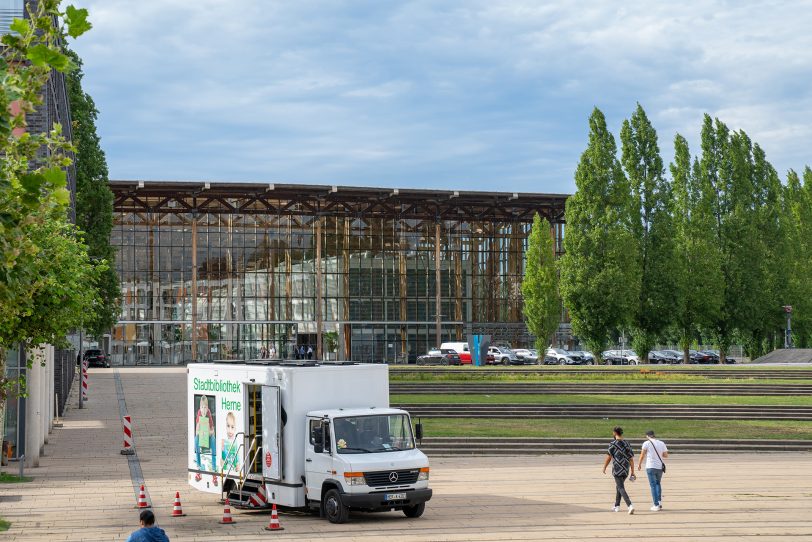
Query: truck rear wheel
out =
(334, 509)
(415, 511)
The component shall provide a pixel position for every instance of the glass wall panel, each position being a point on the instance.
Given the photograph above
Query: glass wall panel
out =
(222, 284)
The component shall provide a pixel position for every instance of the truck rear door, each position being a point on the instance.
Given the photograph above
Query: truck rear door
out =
(271, 433)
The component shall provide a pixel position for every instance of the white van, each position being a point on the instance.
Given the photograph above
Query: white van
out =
(306, 435)
(459, 348)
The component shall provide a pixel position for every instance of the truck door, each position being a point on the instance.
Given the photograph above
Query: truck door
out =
(318, 466)
(271, 433)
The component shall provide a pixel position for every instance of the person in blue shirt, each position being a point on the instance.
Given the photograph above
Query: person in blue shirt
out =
(148, 531)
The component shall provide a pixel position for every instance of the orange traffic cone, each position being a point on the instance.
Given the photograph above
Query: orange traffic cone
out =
(274, 524)
(227, 520)
(177, 511)
(142, 499)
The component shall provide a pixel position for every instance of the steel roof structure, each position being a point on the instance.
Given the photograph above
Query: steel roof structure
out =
(180, 197)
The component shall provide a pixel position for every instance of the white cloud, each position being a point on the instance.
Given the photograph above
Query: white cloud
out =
(428, 93)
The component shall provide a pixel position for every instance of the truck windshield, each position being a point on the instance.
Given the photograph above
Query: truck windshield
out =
(372, 434)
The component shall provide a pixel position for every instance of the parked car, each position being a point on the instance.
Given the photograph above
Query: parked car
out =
(588, 357)
(96, 358)
(676, 355)
(504, 355)
(526, 355)
(662, 357)
(699, 357)
(713, 355)
(459, 348)
(620, 357)
(438, 356)
(716, 355)
(562, 357)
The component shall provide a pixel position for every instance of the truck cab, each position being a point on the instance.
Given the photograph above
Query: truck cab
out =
(364, 459)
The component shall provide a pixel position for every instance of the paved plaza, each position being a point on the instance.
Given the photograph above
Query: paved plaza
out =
(85, 490)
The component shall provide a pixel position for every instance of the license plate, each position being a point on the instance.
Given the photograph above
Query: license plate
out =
(395, 496)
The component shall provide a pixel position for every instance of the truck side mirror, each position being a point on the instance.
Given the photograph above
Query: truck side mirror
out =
(318, 440)
(418, 431)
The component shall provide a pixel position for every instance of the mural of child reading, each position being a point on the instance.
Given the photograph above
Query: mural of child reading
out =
(205, 438)
(228, 445)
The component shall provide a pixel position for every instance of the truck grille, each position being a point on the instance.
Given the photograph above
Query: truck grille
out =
(384, 478)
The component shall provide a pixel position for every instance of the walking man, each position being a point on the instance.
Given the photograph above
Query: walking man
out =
(654, 451)
(622, 457)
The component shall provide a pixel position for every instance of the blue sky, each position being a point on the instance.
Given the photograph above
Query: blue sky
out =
(470, 95)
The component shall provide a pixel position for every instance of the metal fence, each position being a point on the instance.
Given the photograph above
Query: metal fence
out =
(64, 372)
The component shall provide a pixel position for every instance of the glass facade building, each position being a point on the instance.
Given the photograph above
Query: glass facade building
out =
(237, 271)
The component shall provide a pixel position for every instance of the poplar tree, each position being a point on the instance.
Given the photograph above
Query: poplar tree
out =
(770, 259)
(797, 215)
(542, 304)
(652, 229)
(716, 171)
(600, 266)
(698, 281)
(94, 199)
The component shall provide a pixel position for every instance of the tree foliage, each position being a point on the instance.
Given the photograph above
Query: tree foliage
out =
(697, 296)
(542, 304)
(797, 216)
(46, 280)
(652, 228)
(712, 253)
(600, 267)
(94, 199)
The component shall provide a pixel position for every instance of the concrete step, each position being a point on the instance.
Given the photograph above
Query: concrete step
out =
(531, 446)
(530, 411)
(601, 389)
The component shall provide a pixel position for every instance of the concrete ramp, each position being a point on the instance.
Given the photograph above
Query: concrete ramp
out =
(787, 355)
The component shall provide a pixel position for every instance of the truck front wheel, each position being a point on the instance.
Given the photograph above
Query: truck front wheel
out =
(415, 511)
(334, 509)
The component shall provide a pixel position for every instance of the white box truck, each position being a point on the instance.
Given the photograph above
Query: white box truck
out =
(304, 435)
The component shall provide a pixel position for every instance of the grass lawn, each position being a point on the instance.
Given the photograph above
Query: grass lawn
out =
(597, 428)
(662, 377)
(6, 478)
(604, 368)
(792, 400)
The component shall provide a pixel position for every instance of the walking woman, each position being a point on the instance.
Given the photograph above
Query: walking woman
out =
(621, 455)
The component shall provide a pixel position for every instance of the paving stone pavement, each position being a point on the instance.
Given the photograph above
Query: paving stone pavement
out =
(83, 489)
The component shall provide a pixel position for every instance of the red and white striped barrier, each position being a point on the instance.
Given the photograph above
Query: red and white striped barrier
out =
(84, 381)
(259, 499)
(128, 436)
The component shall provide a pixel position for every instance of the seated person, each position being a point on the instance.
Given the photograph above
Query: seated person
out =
(346, 434)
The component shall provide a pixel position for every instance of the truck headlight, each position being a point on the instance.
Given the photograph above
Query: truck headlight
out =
(355, 478)
(424, 474)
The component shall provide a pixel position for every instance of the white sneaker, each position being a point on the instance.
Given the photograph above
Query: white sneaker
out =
(655, 508)
(615, 509)
(631, 509)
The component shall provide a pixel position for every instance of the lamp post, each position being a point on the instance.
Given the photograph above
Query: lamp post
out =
(788, 334)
